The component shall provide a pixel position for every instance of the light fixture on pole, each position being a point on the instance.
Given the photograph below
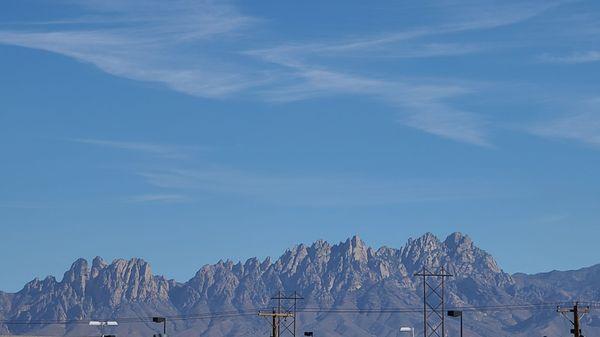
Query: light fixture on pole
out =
(102, 324)
(457, 313)
(408, 329)
(162, 320)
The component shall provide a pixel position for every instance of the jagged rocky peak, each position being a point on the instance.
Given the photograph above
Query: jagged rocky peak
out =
(252, 263)
(457, 251)
(292, 258)
(98, 264)
(133, 269)
(37, 286)
(458, 254)
(321, 245)
(428, 242)
(426, 250)
(78, 271)
(126, 270)
(353, 249)
(320, 250)
(461, 246)
(77, 276)
(111, 284)
(462, 252)
(359, 250)
(458, 240)
(473, 268)
(468, 257)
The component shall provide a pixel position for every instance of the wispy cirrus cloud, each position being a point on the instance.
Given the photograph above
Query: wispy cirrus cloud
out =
(581, 124)
(24, 205)
(462, 17)
(339, 190)
(198, 48)
(422, 103)
(161, 150)
(146, 41)
(156, 198)
(573, 58)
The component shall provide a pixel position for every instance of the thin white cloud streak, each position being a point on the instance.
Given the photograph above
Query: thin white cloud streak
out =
(442, 120)
(145, 40)
(583, 124)
(24, 206)
(422, 106)
(156, 198)
(574, 58)
(293, 52)
(167, 151)
(312, 191)
(175, 20)
(478, 18)
(437, 49)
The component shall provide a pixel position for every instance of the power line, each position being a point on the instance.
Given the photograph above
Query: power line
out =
(252, 312)
(525, 306)
(210, 315)
(288, 310)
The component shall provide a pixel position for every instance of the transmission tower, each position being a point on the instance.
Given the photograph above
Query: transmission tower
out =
(578, 312)
(433, 301)
(286, 308)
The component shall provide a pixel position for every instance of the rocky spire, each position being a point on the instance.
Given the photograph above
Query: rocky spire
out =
(77, 276)
(97, 265)
(426, 250)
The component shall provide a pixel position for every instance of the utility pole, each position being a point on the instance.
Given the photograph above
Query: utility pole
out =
(286, 308)
(577, 314)
(276, 317)
(433, 301)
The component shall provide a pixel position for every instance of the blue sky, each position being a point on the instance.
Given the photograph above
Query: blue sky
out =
(192, 131)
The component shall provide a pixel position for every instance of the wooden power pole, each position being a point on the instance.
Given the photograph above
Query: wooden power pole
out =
(578, 312)
(286, 308)
(276, 316)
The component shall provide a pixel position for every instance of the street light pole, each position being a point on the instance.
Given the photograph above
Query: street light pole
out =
(162, 320)
(457, 313)
(102, 324)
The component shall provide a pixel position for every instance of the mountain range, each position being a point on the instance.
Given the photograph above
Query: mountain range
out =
(346, 275)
